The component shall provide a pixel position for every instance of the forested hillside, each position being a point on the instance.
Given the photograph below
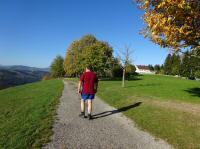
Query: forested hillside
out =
(17, 75)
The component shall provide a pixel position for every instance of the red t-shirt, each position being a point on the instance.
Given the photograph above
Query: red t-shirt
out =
(88, 80)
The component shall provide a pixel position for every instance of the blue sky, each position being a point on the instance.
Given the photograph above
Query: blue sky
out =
(33, 32)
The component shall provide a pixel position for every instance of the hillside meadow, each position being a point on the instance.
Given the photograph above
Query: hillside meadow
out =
(165, 106)
(27, 114)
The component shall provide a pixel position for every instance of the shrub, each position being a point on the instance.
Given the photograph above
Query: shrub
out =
(117, 72)
(197, 74)
(47, 77)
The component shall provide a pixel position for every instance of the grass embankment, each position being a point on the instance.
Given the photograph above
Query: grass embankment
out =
(169, 109)
(27, 114)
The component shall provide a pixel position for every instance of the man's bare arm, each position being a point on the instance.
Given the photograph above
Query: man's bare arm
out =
(96, 86)
(79, 86)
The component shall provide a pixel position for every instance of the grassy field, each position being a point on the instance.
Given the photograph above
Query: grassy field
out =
(26, 114)
(159, 87)
(169, 107)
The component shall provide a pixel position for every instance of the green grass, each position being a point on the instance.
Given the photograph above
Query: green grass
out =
(27, 114)
(178, 127)
(154, 87)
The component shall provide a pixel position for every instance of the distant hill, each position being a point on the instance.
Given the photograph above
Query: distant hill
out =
(21, 67)
(17, 75)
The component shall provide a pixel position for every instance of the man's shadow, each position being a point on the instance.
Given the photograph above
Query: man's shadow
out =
(107, 113)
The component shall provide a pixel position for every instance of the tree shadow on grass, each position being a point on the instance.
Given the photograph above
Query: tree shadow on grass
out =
(107, 113)
(194, 91)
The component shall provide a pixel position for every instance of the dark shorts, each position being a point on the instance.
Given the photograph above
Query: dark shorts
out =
(87, 96)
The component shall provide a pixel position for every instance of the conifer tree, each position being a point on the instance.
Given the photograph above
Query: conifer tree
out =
(186, 65)
(176, 62)
(168, 65)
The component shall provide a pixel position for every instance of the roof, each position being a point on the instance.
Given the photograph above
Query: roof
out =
(143, 67)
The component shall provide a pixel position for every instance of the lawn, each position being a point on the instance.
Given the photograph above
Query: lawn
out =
(158, 87)
(27, 114)
(165, 106)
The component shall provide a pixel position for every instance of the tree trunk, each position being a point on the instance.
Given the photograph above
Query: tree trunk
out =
(123, 78)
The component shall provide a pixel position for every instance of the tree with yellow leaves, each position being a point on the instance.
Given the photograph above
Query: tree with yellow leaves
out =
(174, 24)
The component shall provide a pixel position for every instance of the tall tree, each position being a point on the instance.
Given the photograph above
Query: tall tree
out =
(195, 64)
(162, 69)
(172, 23)
(151, 68)
(57, 69)
(176, 62)
(197, 67)
(157, 68)
(168, 65)
(88, 51)
(186, 65)
(190, 66)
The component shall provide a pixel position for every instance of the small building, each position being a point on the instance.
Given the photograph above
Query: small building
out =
(142, 69)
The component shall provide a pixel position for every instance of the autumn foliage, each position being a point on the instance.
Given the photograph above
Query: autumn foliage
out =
(174, 24)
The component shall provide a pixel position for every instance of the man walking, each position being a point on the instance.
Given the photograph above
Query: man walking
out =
(87, 87)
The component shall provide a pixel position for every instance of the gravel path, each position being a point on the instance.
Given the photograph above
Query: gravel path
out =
(109, 129)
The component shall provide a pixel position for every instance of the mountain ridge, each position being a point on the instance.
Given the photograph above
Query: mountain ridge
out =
(23, 67)
(18, 74)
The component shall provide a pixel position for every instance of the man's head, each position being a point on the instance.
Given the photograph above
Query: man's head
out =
(88, 68)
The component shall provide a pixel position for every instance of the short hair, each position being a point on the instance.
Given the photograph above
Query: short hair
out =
(89, 66)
